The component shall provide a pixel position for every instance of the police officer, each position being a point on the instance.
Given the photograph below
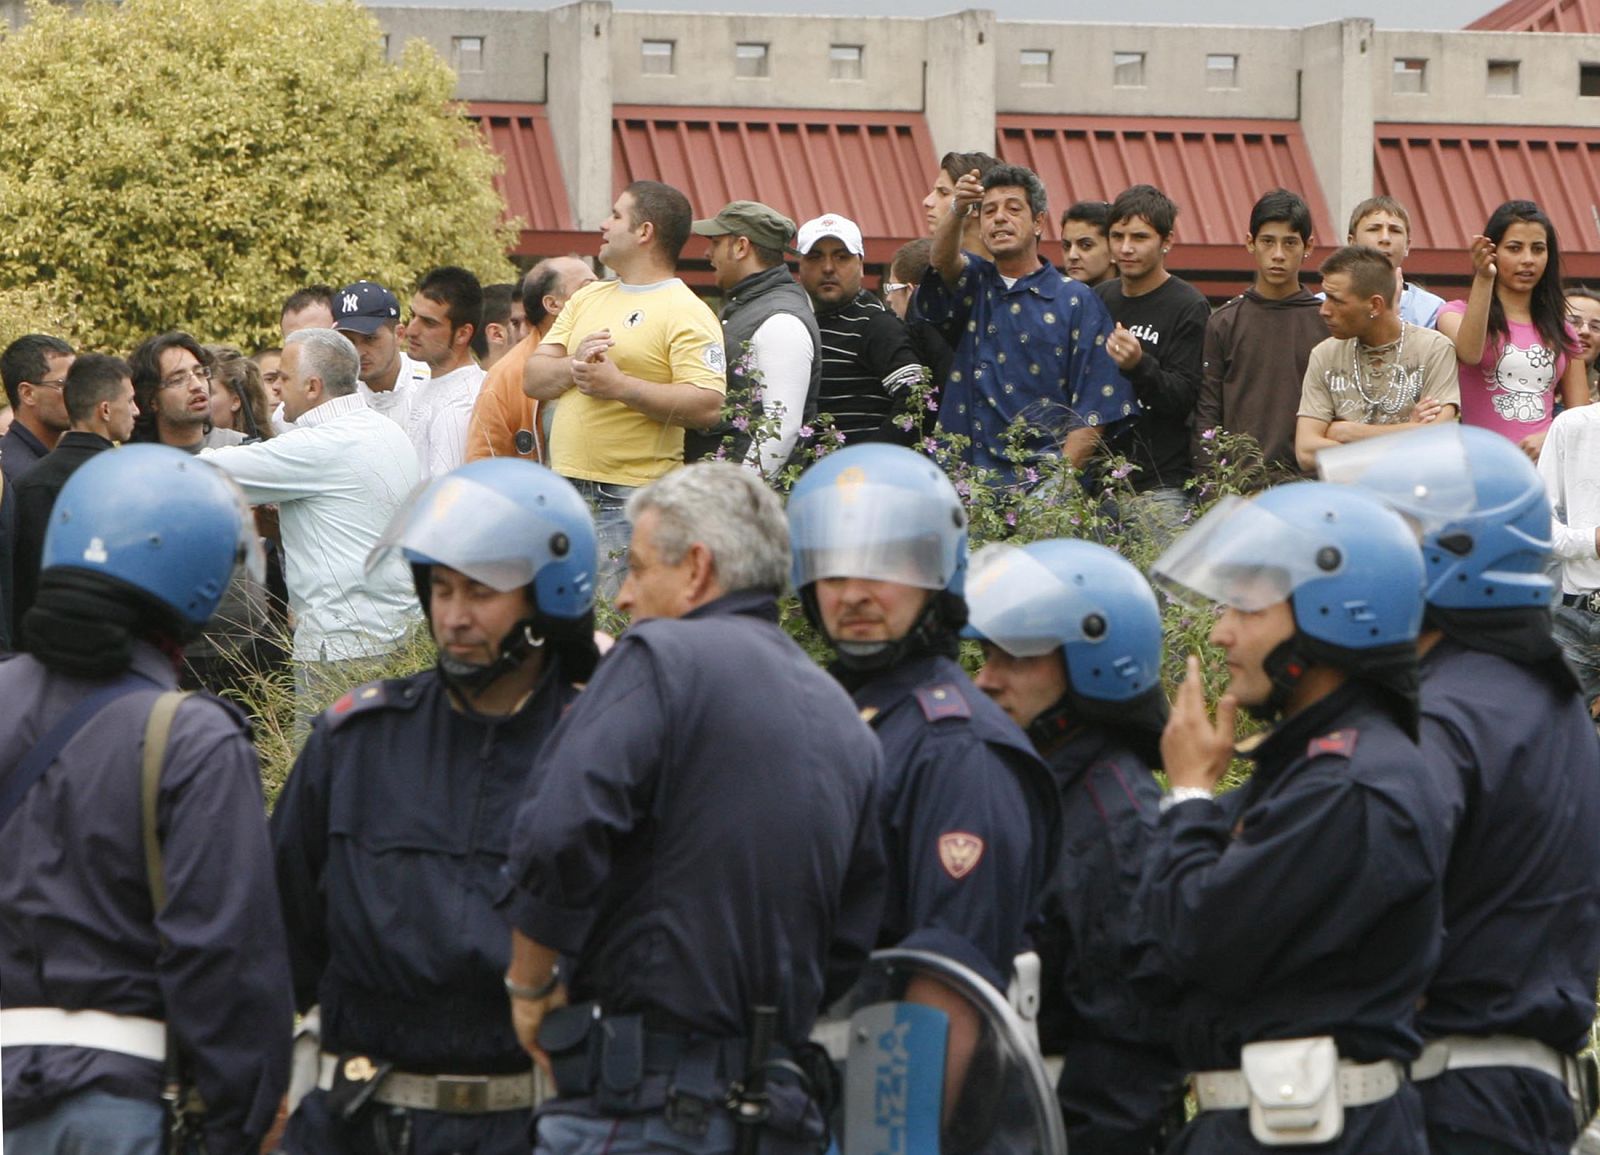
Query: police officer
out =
(699, 847)
(1071, 637)
(1295, 921)
(394, 824)
(1507, 734)
(141, 950)
(968, 811)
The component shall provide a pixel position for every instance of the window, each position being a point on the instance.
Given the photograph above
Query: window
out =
(468, 53)
(1410, 74)
(750, 60)
(1504, 78)
(1033, 66)
(383, 45)
(844, 62)
(655, 57)
(1589, 80)
(1222, 70)
(1127, 69)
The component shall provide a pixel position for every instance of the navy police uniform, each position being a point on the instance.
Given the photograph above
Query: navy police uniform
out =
(1305, 903)
(390, 836)
(1515, 752)
(968, 817)
(1121, 1088)
(76, 927)
(701, 842)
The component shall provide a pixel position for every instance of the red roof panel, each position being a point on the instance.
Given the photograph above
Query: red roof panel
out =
(872, 167)
(531, 184)
(1214, 169)
(1541, 16)
(1452, 176)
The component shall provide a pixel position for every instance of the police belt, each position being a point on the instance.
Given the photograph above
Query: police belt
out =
(450, 1094)
(1462, 1052)
(1360, 1085)
(96, 1030)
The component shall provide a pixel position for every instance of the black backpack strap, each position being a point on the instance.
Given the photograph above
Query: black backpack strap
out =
(44, 753)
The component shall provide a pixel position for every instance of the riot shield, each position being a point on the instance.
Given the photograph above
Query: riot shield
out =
(935, 1062)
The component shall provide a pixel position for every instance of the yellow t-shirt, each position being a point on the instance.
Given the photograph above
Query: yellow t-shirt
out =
(662, 332)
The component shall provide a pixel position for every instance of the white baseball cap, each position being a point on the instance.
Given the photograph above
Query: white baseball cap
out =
(830, 225)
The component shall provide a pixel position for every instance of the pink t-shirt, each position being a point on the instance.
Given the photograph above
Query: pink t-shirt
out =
(1512, 390)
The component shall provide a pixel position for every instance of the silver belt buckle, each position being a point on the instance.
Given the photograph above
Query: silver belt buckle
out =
(463, 1094)
(1591, 601)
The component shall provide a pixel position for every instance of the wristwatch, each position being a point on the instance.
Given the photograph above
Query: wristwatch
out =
(534, 994)
(1182, 794)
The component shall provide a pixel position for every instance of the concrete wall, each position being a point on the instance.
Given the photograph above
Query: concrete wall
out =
(580, 105)
(959, 82)
(1336, 110)
(1457, 72)
(1175, 70)
(514, 46)
(893, 51)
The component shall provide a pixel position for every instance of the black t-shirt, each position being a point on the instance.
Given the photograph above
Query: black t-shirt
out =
(1170, 323)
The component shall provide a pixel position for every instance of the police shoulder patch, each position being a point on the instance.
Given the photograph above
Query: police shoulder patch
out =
(1340, 743)
(393, 694)
(942, 701)
(959, 853)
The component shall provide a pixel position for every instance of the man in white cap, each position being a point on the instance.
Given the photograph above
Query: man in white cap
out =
(868, 360)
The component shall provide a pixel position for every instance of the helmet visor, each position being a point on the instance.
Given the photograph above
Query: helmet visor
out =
(1424, 474)
(1243, 556)
(457, 522)
(879, 532)
(1018, 604)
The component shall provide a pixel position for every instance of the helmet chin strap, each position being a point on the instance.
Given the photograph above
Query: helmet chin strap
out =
(873, 657)
(1284, 667)
(469, 679)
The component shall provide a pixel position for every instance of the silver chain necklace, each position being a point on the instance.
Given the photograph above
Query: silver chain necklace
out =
(1395, 394)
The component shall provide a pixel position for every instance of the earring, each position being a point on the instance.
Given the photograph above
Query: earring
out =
(1372, 316)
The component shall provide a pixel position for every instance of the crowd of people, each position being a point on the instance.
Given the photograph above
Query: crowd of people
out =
(648, 865)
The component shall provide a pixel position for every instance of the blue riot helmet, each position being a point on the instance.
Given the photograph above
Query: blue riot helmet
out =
(1479, 502)
(1349, 567)
(158, 521)
(1092, 605)
(884, 513)
(509, 524)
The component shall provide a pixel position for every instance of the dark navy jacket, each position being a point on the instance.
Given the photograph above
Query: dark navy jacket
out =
(76, 930)
(390, 837)
(701, 839)
(1119, 1078)
(1307, 902)
(968, 816)
(1516, 755)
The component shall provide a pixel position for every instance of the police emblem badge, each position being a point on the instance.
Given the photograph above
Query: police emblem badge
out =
(959, 853)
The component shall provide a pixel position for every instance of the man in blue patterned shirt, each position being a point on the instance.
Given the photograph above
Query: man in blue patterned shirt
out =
(1031, 344)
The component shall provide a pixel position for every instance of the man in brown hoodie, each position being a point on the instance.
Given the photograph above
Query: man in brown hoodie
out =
(1257, 345)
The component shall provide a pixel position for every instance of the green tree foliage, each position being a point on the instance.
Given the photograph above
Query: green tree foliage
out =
(187, 163)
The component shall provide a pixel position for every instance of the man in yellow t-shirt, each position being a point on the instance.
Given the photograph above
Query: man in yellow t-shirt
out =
(635, 361)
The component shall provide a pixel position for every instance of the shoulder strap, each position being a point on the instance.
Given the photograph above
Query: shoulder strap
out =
(155, 752)
(43, 755)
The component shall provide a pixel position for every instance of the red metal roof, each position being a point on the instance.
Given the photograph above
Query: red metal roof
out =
(532, 183)
(1452, 176)
(1214, 169)
(872, 167)
(1541, 16)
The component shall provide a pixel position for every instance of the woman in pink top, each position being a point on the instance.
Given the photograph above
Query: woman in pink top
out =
(1512, 340)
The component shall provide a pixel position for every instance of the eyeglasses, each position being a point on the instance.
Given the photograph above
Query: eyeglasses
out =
(58, 384)
(181, 378)
(1584, 325)
(895, 287)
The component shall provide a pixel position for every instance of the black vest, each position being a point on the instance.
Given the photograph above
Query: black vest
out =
(750, 303)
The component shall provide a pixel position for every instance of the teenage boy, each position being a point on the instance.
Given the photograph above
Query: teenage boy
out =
(1084, 247)
(1383, 223)
(1160, 331)
(1257, 345)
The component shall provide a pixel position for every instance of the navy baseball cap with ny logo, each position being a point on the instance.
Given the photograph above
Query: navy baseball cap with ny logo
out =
(364, 307)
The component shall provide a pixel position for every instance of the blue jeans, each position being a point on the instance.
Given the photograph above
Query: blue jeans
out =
(612, 531)
(92, 1123)
(558, 1134)
(1577, 632)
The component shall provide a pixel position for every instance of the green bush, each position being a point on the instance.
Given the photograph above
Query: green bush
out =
(187, 163)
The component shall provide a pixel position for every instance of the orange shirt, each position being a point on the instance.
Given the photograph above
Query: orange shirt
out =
(503, 412)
